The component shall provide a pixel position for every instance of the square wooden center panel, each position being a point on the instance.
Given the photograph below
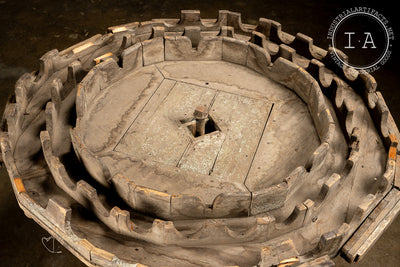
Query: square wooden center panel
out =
(159, 132)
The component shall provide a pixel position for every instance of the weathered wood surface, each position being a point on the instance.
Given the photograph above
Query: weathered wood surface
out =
(293, 101)
(373, 227)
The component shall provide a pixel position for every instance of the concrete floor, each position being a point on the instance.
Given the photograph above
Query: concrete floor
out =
(31, 28)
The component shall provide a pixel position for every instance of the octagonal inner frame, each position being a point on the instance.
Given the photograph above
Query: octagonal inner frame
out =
(240, 177)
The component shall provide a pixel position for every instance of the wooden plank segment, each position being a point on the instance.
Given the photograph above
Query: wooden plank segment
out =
(373, 227)
(159, 130)
(243, 119)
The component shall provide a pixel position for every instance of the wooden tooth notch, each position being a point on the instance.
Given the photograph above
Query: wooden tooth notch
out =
(46, 66)
(157, 31)
(264, 27)
(234, 19)
(303, 44)
(286, 52)
(329, 187)
(278, 36)
(60, 215)
(329, 242)
(193, 33)
(259, 39)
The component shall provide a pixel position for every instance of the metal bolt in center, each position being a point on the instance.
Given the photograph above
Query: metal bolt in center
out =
(200, 114)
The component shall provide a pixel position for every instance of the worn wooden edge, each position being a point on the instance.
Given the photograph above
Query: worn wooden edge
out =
(329, 243)
(372, 227)
(280, 254)
(260, 230)
(273, 31)
(396, 182)
(161, 232)
(55, 218)
(269, 28)
(323, 261)
(283, 37)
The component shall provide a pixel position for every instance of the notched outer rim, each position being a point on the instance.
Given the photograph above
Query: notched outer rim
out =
(21, 113)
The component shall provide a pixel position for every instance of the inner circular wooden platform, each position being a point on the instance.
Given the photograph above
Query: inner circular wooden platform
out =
(264, 129)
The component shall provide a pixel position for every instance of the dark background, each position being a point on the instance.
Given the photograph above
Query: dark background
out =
(28, 29)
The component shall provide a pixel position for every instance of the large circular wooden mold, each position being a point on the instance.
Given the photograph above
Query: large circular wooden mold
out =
(198, 136)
